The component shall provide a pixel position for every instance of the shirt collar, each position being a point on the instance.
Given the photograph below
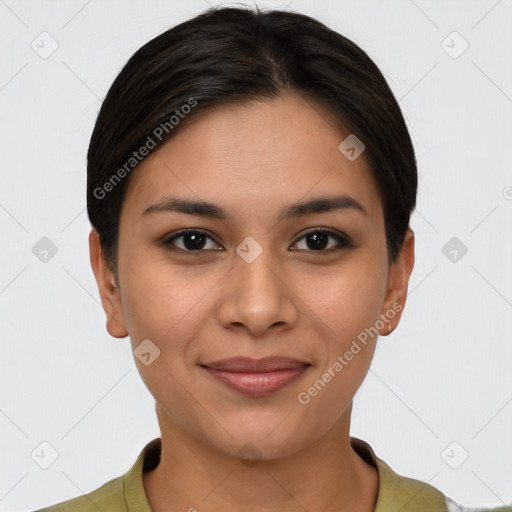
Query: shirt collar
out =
(395, 492)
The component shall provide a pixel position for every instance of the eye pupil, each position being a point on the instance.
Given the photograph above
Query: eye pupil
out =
(196, 240)
(320, 240)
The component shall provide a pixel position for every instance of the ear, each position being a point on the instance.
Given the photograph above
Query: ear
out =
(110, 294)
(398, 281)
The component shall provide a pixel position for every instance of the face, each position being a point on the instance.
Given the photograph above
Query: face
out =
(254, 277)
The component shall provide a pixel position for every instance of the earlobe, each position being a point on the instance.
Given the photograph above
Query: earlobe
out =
(109, 292)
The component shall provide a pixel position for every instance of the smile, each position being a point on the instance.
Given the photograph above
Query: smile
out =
(256, 377)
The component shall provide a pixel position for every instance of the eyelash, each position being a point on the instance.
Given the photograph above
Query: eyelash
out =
(343, 241)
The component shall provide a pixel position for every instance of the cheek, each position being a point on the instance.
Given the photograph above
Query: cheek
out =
(161, 300)
(347, 301)
(165, 306)
(349, 305)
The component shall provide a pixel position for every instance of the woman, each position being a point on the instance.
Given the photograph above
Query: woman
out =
(250, 185)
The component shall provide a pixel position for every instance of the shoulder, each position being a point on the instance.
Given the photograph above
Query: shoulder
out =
(397, 492)
(121, 494)
(408, 494)
(110, 496)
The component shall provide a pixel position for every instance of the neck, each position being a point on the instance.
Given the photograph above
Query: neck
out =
(327, 475)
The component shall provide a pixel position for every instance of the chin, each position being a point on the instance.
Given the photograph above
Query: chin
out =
(261, 442)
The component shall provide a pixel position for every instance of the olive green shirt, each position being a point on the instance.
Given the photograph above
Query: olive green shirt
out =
(126, 493)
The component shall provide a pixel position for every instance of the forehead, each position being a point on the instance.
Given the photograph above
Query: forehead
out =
(254, 155)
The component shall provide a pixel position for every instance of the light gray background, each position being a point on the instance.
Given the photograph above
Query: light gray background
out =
(444, 375)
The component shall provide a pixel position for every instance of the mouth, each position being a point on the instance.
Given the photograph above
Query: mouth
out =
(256, 377)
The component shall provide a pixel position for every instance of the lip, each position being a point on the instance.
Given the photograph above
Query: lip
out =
(256, 377)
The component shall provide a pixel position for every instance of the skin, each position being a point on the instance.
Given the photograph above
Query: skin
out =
(252, 160)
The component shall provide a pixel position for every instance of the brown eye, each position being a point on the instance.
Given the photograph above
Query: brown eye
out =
(191, 241)
(318, 241)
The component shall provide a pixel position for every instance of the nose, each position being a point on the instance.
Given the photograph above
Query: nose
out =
(257, 297)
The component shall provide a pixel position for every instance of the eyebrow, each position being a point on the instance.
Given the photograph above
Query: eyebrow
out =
(299, 209)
